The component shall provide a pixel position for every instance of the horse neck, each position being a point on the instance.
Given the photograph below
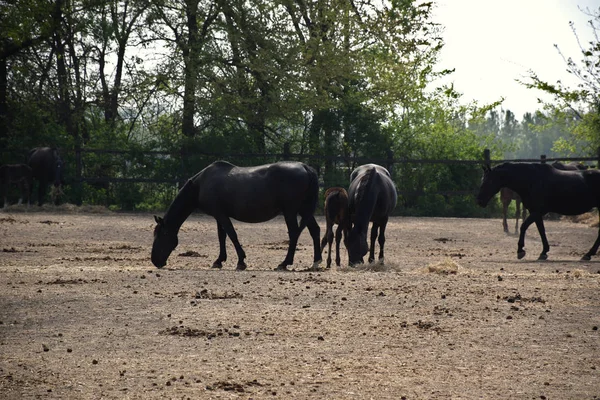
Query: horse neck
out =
(518, 181)
(180, 209)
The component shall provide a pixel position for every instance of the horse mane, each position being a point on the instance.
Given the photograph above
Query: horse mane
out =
(182, 206)
(366, 181)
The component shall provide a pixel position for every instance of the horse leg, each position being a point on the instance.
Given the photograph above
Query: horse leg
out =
(338, 239)
(382, 239)
(539, 222)
(517, 214)
(291, 222)
(222, 247)
(227, 226)
(504, 212)
(520, 250)
(327, 239)
(315, 232)
(42, 192)
(594, 249)
(374, 230)
(4, 188)
(21, 191)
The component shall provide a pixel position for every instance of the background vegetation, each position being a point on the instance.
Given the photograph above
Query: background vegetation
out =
(176, 84)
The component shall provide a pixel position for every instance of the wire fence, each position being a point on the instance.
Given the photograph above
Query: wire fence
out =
(129, 177)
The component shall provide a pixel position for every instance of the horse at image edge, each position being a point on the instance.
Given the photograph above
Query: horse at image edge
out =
(544, 189)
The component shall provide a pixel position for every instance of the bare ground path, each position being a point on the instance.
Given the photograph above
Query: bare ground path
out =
(454, 314)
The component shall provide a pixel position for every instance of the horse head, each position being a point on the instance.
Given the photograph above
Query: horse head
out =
(164, 243)
(490, 185)
(357, 246)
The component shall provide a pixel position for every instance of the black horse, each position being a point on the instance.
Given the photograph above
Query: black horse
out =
(248, 194)
(372, 197)
(544, 189)
(19, 174)
(46, 166)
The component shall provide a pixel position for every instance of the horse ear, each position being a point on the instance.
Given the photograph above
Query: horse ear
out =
(158, 220)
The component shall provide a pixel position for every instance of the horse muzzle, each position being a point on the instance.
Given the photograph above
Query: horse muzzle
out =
(481, 202)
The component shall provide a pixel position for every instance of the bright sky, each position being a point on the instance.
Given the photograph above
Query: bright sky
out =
(492, 43)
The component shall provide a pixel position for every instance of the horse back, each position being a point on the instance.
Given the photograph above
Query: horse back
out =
(372, 191)
(566, 192)
(14, 173)
(336, 205)
(44, 163)
(256, 194)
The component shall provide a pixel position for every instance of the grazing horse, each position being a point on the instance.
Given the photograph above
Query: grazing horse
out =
(372, 197)
(16, 174)
(544, 189)
(506, 196)
(336, 212)
(247, 194)
(46, 166)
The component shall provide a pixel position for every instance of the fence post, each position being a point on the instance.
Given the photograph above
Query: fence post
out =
(487, 161)
(286, 151)
(598, 153)
(390, 161)
(543, 159)
(78, 174)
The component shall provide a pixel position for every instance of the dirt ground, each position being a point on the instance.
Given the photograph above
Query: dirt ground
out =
(452, 315)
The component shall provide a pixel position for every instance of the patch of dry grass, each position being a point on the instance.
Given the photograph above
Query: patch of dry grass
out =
(590, 219)
(444, 267)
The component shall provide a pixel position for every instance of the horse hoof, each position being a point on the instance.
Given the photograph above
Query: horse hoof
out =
(282, 267)
(315, 267)
(521, 254)
(241, 266)
(586, 258)
(543, 257)
(217, 265)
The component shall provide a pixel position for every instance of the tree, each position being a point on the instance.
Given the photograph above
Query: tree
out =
(581, 103)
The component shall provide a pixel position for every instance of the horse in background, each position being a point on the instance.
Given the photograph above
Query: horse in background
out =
(47, 167)
(544, 189)
(372, 197)
(336, 213)
(572, 166)
(506, 196)
(247, 194)
(19, 174)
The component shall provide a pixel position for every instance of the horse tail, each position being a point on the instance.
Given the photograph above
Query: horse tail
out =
(309, 205)
(367, 182)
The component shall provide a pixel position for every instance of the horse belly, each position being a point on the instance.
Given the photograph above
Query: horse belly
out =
(573, 207)
(254, 212)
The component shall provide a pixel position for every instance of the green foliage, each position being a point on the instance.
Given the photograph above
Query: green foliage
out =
(578, 108)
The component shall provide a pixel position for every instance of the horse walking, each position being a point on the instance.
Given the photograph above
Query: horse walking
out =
(47, 167)
(336, 213)
(247, 194)
(506, 196)
(544, 189)
(372, 197)
(19, 174)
